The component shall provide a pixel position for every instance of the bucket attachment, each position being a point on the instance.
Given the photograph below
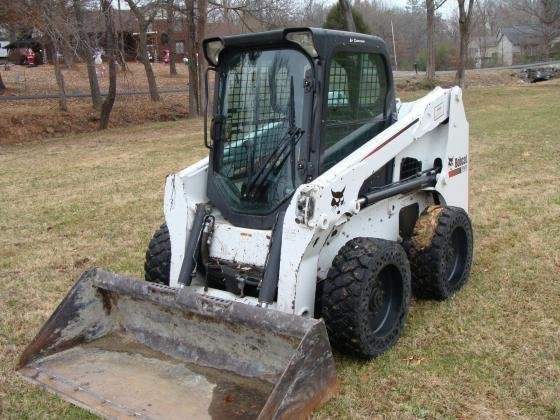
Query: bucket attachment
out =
(122, 348)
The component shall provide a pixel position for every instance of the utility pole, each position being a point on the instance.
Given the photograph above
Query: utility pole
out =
(394, 46)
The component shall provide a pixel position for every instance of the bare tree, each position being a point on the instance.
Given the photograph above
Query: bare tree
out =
(254, 15)
(484, 26)
(431, 7)
(51, 28)
(110, 46)
(544, 15)
(192, 54)
(51, 18)
(346, 10)
(201, 20)
(67, 30)
(170, 11)
(465, 17)
(87, 54)
(249, 14)
(145, 17)
(314, 13)
(120, 39)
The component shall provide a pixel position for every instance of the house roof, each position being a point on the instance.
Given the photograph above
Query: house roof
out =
(23, 43)
(520, 34)
(123, 21)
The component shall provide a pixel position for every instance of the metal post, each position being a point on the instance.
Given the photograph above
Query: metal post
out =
(394, 47)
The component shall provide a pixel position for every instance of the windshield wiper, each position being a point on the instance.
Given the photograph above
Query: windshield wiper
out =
(290, 139)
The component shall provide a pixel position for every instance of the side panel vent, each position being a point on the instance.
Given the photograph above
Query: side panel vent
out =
(410, 167)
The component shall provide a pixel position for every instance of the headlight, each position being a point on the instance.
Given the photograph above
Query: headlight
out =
(212, 49)
(305, 40)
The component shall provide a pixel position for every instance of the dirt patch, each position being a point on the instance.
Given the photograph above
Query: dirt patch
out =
(425, 228)
(23, 80)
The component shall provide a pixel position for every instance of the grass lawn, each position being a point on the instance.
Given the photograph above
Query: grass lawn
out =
(491, 351)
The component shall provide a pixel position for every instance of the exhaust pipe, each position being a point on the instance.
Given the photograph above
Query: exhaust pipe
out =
(123, 348)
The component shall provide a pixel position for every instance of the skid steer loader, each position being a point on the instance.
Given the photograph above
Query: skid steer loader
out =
(324, 204)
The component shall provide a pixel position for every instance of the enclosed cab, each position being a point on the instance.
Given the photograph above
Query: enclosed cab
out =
(288, 106)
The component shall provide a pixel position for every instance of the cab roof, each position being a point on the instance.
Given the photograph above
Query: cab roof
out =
(325, 41)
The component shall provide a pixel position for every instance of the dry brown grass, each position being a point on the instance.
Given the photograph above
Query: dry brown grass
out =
(493, 351)
(474, 79)
(22, 80)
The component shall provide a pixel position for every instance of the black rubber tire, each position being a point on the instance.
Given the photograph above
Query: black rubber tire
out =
(366, 296)
(441, 266)
(158, 257)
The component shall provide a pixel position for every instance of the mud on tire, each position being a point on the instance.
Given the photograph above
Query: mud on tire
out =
(440, 252)
(158, 257)
(366, 295)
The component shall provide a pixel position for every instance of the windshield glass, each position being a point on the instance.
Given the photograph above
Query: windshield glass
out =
(257, 142)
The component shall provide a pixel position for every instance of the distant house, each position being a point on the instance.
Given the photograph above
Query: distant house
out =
(127, 35)
(124, 24)
(483, 51)
(159, 41)
(518, 43)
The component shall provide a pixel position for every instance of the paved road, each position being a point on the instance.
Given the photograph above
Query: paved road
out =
(407, 73)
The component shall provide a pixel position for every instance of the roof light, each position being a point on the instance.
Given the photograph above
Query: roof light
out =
(212, 49)
(305, 40)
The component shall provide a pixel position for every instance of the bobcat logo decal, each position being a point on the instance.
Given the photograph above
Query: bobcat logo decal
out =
(337, 198)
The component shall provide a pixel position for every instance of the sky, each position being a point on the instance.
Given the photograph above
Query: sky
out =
(446, 10)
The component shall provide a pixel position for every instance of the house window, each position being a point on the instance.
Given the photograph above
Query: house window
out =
(180, 47)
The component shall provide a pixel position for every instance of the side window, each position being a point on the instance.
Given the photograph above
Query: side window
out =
(356, 93)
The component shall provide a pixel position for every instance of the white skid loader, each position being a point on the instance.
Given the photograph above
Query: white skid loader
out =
(323, 205)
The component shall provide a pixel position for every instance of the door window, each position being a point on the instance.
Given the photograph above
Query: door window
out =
(357, 87)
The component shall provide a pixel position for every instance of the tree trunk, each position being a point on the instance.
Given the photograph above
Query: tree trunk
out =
(120, 39)
(87, 56)
(110, 49)
(2, 85)
(430, 45)
(201, 7)
(547, 38)
(62, 102)
(56, 38)
(171, 34)
(152, 86)
(190, 43)
(346, 10)
(68, 55)
(464, 29)
(143, 24)
(172, 58)
(460, 76)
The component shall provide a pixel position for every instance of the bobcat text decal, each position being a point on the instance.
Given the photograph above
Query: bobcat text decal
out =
(459, 165)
